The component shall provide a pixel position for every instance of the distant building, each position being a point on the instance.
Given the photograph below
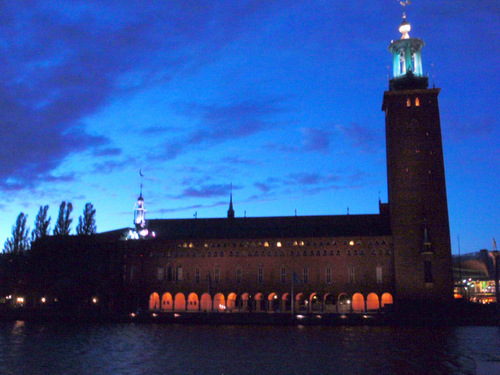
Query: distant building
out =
(401, 255)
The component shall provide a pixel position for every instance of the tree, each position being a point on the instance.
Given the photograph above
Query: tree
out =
(63, 220)
(19, 242)
(86, 223)
(42, 224)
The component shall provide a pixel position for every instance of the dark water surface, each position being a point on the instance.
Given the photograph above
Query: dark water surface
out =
(29, 348)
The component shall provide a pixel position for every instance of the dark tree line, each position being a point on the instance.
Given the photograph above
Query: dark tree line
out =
(20, 241)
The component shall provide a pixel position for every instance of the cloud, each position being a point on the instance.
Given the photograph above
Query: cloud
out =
(313, 140)
(316, 140)
(305, 178)
(207, 191)
(480, 128)
(219, 123)
(361, 137)
(64, 61)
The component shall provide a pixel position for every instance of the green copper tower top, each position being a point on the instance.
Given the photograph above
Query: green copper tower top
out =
(407, 61)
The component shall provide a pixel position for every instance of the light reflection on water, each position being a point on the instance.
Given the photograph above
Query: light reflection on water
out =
(28, 348)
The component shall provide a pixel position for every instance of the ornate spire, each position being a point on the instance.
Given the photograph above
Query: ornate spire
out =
(139, 211)
(405, 28)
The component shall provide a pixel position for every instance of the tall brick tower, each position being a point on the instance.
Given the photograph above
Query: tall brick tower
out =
(416, 180)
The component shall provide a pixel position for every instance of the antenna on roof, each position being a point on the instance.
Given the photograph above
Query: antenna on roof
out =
(295, 212)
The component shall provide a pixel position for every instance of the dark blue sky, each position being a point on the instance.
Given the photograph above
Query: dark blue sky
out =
(280, 98)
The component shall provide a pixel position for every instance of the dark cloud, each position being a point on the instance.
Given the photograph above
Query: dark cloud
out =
(480, 128)
(64, 61)
(314, 178)
(219, 123)
(362, 137)
(192, 207)
(207, 191)
(108, 151)
(313, 140)
(316, 140)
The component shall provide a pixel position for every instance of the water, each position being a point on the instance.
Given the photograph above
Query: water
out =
(29, 348)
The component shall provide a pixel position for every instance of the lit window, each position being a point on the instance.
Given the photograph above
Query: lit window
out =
(417, 102)
(408, 102)
(278, 244)
(351, 243)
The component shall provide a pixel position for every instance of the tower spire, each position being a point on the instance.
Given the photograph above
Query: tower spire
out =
(230, 212)
(139, 211)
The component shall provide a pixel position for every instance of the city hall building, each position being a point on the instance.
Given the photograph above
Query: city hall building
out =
(316, 263)
(337, 264)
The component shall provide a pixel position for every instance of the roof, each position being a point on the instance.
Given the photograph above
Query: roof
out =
(271, 227)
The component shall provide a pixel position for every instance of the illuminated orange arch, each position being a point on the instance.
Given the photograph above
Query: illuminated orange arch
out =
(372, 302)
(154, 301)
(231, 301)
(167, 302)
(219, 302)
(193, 304)
(180, 302)
(206, 302)
(387, 299)
(358, 302)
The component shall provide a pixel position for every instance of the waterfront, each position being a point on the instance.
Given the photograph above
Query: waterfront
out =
(31, 348)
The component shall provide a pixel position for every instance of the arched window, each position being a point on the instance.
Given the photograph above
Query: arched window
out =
(417, 102)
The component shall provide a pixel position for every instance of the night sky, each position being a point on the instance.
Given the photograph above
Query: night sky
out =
(281, 99)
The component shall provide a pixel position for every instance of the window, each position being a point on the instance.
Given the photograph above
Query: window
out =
(283, 275)
(160, 273)
(408, 102)
(305, 275)
(238, 275)
(170, 274)
(379, 275)
(417, 102)
(217, 275)
(197, 276)
(328, 275)
(180, 274)
(260, 276)
(351, 274)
